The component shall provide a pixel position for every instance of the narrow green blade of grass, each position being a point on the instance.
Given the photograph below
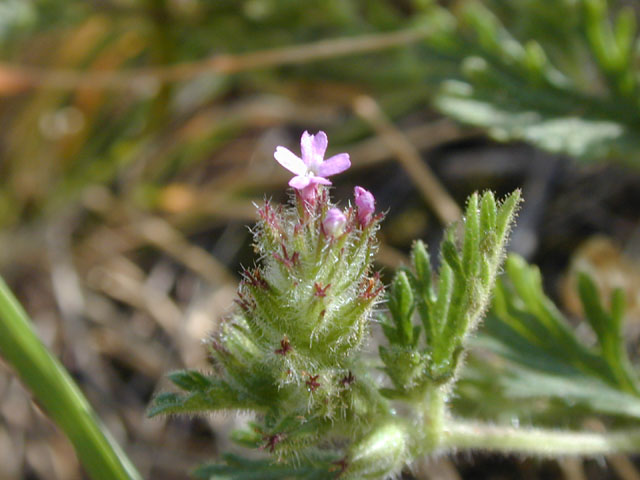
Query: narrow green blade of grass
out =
(61, 398)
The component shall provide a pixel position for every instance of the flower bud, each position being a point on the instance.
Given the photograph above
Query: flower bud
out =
(334, 222)
(366, 205)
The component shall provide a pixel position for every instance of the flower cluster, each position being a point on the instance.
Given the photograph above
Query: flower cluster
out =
(292, 352)
(292, 349)
(312, 169)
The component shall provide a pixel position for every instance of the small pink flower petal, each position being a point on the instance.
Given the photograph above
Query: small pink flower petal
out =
(299, 182)
(311, 170)
(290, 161)
(308, 193)
(320, 180)
(336, 164)
(320, 142)
(306, 146)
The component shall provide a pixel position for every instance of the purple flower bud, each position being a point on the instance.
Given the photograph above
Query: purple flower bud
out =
(366, 205)
(334, 222)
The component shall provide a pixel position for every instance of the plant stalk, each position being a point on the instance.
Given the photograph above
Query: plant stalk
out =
(539, 442)
(61, 398)
(435, 416)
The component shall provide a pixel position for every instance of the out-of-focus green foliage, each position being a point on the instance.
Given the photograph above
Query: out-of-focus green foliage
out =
(544, 357)
(559, 74)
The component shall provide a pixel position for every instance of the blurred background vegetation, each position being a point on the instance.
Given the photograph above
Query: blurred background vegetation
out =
(136, 135)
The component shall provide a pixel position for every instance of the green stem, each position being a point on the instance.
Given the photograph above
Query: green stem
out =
(54, 389)
(431, 409)
(434, 416)
(540, 442)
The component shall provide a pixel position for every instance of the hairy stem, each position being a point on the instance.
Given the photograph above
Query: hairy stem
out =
(539, 442)
(428, 433)
(435, 413)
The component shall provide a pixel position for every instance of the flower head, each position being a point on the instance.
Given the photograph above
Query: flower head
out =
(334, 222)
(366, 205)
(312, 169)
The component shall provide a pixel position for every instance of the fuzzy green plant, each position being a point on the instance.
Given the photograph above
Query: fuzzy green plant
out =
(292, 352)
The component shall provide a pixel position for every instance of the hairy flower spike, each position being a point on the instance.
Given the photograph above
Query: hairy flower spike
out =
(310, 288)
(246, 304)
(270, 218)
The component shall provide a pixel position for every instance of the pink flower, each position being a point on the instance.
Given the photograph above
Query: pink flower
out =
(334, 222)
(366, 205)
(312, 169)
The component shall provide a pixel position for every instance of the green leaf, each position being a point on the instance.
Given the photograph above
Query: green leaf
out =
(56, 392)
(190, 380)
(466, 277)
(404, 365)
(506, 214)
(392, 394)
(471, 236)
(513, 389)
(390, 332)
(423, 289)
(450, 255)
(530, 332)
(488, 212)
(169, 403)
(618, 305)
(608, 328)
(586, 137)
(422, 265)
(625, 31)
(205, 394)
(441, 306)
(595, 314)
(248, 438)
(401, 306)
